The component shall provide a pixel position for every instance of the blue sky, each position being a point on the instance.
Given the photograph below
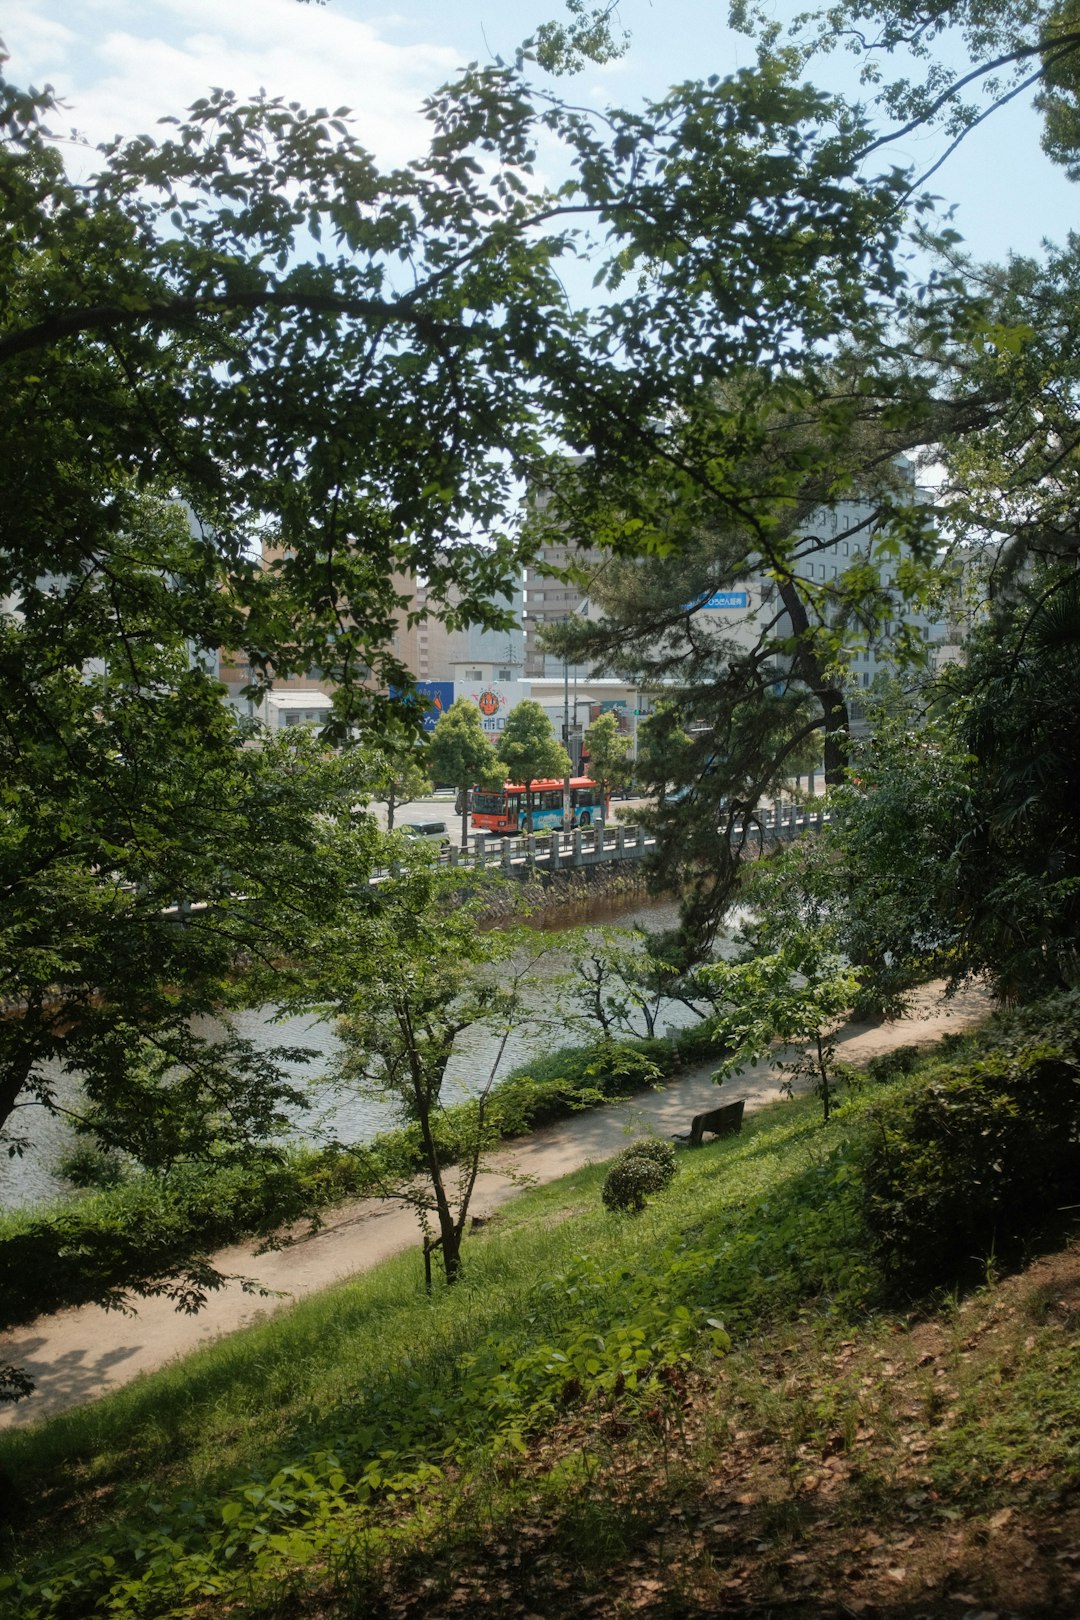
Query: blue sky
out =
(121, 64)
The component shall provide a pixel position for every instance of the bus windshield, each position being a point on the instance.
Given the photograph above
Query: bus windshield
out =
(488, 804)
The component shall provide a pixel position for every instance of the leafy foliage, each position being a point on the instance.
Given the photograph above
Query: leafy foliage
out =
(790, 988)
(618, 982)
(407, 971)
(588, 36)
(960, 1167)
(461, 754)
(594, 1332)
(1011, 47)
(133, 1235)
(609, 761)
(645, 1167)
(391, 771)
(954, 847)
(528, 748)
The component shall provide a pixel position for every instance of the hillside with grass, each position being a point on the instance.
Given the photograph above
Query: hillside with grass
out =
(829, 1369)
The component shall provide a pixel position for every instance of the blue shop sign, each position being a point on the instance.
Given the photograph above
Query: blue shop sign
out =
(437, 696)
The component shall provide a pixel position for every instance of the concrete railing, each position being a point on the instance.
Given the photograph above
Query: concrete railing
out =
(600, 845)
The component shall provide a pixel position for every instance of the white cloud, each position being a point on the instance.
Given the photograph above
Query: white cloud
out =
(121, 66)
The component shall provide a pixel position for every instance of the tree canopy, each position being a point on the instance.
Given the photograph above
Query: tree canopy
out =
(530, 751)
(460, 753)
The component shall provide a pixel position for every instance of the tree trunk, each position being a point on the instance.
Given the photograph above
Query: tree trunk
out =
(449, 1239)
(451, 1252)
(834, 710)
(13, 1078)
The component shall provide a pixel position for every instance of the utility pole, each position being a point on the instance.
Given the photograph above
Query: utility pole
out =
(567, 816)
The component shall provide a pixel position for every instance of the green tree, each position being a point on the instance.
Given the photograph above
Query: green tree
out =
(1011, 47)
(157, 871)
(588, 35)
(146, 850)
(957, 842)
(609, 754)
(169, 327)
(461, 754)
(407, 976)
(616, 985)
(530, 751)
(393, 770)
(742, 710)
(792, 996)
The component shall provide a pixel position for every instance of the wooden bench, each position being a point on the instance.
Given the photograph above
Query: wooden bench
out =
(726, 1121)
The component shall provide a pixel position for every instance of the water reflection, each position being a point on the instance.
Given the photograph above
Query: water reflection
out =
(348, 1116)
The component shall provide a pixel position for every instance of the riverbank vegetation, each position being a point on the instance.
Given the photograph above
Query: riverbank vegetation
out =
(733, 1395)
(138, 1232)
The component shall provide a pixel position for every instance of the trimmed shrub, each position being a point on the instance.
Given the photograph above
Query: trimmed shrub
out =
(644, 1167)
(890, 1065)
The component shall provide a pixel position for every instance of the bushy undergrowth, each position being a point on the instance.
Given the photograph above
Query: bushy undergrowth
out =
(645, 1167)
(146, 1227)
(960, 1166)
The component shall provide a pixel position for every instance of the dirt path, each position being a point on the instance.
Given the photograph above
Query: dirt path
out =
(78, 1355)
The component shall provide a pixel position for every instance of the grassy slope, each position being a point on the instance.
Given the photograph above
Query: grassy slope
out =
(488, 1446)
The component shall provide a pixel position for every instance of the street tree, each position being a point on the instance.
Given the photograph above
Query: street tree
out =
(608, 753)
(392, 769)
(461, 754)
(530, 751)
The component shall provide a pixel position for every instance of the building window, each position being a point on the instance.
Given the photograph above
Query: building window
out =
(504, 674)
(474, 674)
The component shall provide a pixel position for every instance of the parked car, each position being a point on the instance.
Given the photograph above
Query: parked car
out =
(435, 832)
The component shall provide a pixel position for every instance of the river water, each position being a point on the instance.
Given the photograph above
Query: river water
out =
(350, 1115)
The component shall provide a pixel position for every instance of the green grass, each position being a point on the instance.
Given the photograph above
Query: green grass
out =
(329, 1367)
(98, 1244)
(373, 1423)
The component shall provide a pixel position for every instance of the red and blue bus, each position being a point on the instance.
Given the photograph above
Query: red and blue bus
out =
(504, 809)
